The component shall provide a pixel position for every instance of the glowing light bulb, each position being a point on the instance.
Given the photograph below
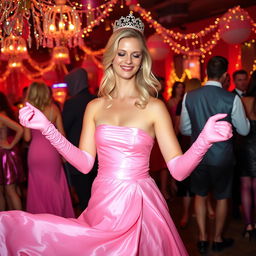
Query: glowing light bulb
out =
(52, 27)
(71, 27)
(61, 25)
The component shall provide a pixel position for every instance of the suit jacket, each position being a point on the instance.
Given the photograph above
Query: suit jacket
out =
(203, 103)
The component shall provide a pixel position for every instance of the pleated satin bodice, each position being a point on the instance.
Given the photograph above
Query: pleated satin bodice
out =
(123, 152)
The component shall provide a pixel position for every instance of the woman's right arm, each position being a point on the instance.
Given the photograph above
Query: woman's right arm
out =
(181, 165)
(27, 134)
(14, 126)
(87, 141)
(83, 158)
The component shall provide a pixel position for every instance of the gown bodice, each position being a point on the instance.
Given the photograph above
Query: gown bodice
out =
(123, 152)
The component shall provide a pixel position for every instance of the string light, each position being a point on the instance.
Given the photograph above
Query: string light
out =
(253, 66)
(197, 43)
(90, 52)
(192, 43)
(4, 75)
(173, 78)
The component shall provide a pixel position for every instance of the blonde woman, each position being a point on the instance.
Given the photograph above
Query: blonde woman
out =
(126, 215)
(47, 187)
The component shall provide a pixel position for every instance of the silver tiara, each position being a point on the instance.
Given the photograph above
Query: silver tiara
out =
(129, 22)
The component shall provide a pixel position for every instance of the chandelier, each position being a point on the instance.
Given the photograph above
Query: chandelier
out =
(14, 62)
(61, 55)
(62, 25)
(14, 46)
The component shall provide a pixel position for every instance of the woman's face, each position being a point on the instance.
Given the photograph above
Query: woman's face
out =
(180, 89)
(128, 58)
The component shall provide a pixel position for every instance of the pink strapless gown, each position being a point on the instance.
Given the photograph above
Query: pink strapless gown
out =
(126, 215)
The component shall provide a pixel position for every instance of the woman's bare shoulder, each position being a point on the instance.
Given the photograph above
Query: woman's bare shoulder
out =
(156, 104)
(54, 107)
(97, 102)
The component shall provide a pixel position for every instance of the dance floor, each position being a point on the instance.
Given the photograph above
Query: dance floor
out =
(241, 247)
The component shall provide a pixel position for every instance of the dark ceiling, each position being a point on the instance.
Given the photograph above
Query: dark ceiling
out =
(177, 12)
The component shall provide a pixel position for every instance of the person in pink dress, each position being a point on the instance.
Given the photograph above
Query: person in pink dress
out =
(11, 171)
(48, 191)
(127, 214)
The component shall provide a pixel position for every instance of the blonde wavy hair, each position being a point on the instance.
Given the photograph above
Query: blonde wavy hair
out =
(39, 95)
(146, 82)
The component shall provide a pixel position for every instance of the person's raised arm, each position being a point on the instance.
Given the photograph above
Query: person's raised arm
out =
(82, 159)
(13, 126)
(181, 166)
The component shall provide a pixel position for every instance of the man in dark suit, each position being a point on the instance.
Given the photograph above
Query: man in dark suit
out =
(214, 173)
(73, 112)
(240, 78)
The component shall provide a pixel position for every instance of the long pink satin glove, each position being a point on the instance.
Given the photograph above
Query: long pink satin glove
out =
(181, 167)
(33, 118)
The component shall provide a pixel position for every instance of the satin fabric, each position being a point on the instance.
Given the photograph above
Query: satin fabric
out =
(48, 190)
(11, 170)
(126, 215)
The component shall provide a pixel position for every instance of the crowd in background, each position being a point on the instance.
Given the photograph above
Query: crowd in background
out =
(35, 178)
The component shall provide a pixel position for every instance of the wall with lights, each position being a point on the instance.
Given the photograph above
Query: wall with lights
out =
(200, 41)
(239, 55)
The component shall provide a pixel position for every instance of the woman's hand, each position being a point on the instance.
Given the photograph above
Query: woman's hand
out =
(33, 118)
(216, 131)
(181, 167)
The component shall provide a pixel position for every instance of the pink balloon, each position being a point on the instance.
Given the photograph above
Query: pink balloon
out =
(158, 49)
(235, 28)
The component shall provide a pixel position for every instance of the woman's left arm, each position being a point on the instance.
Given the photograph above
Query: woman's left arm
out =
(180, 166)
